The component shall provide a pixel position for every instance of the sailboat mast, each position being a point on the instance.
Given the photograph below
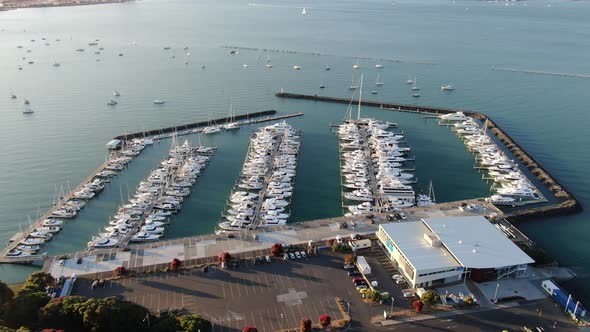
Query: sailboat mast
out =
(358, 115)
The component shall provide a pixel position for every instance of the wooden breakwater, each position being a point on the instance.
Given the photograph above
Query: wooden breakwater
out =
(188, 126)
(567, 204)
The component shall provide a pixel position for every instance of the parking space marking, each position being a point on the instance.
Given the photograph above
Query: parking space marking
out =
(222, 288)
(293, 314)
(231, 289)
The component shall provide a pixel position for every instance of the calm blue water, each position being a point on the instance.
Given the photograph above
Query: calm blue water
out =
(439, 42)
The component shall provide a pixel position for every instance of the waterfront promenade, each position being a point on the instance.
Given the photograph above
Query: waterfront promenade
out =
(204, 249)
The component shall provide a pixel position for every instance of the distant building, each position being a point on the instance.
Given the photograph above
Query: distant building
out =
(441, 250)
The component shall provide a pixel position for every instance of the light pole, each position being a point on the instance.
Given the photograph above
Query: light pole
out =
(496, 294)
(391, 310)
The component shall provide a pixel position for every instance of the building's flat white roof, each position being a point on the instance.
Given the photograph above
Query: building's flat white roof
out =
(476, 243)
(409, 238)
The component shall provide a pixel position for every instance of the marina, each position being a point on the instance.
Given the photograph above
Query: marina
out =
(566, 204)
(122, 149)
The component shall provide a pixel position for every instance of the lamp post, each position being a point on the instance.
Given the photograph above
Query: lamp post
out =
(496, 293)
(391, 310)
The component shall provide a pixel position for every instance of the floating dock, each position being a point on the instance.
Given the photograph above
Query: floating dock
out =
(567, 204)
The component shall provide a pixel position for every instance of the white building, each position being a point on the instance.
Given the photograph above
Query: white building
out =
(442, 250)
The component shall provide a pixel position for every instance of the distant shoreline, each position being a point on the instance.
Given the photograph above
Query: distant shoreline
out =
(16, 4)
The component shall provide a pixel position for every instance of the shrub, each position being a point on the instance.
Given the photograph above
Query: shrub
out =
(120, 271)
(250, 329)
(224, 257)
(325, 320)
(277, 249)
(194, 323)
(430, 297)
(373, 295)
(176, 263)
(305, 325)
(418, 305)
(350, 259)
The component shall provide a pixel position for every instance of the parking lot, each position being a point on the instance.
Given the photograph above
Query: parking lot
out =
(270, 296)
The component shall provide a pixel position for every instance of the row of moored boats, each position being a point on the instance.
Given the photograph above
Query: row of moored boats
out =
(69, 209)
(511, 186)
(157, 199)
(370, 146)
(264, 190)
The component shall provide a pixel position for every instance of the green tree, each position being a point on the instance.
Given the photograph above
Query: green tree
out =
(430, 297)
(6, 294)
(37, 282)
(194, 323)
(6, 329)
(112, 314)
(166, 324)
(24, 308)
(64, 313)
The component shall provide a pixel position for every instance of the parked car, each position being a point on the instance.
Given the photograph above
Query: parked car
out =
(402, 216)
(267, 259)
(360, 282)
(353, 224)
(352, 273)
(303, 254)
(349, 267)
(285, 256)
(400, 281)
(408, 295)
(291, 255)
(357, 279)
(359, 287)
(344, 224)
(391, 217)
(396, 276)
(297, 254)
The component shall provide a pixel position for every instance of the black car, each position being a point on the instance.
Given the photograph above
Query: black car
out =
(353, 273)
(362, 282)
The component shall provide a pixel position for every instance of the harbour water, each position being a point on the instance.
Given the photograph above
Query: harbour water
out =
(436, 42)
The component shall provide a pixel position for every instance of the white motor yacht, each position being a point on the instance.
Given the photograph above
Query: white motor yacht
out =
(145, 237)
(51, 222)
(15, 253)
(500, 200)
(99, 242)
(457, 116)
(28, 248)
(159, 101)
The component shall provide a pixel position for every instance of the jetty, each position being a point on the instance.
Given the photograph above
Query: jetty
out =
(567, 203)
(185, 129)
